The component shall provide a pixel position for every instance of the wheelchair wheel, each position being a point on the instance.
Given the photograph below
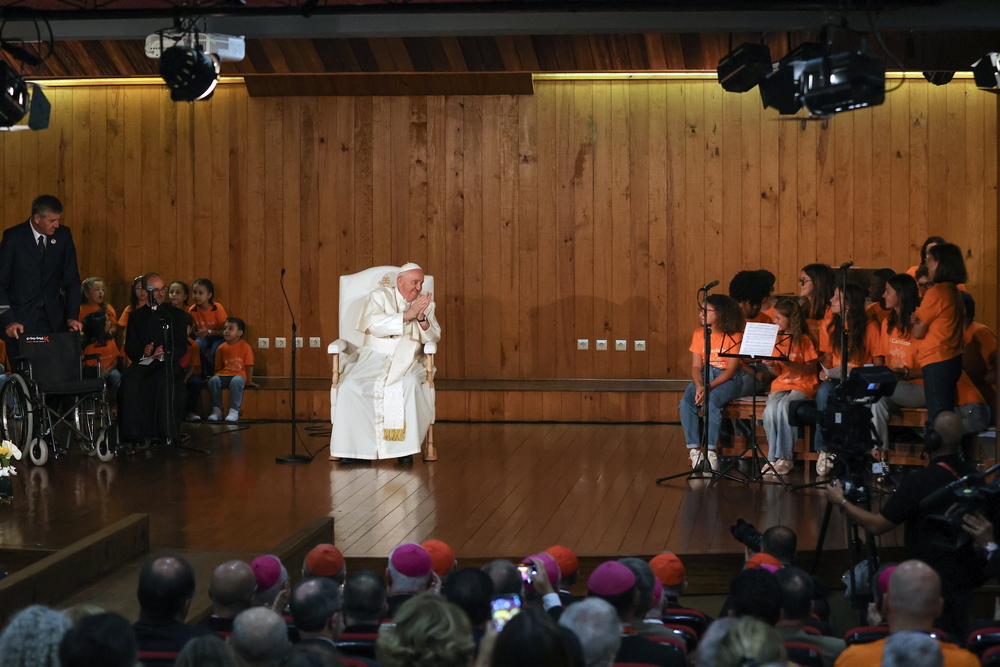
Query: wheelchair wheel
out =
(16, 411)
(91, 417)
(105, 448)
(38, 451)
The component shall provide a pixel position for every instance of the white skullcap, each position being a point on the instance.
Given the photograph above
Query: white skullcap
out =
(409, 266)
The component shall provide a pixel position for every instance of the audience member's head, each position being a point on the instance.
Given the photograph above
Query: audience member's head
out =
(232, 588)
(797, 594)
(364, 598)
(426, 630)
(780, 542)
(531, 639)
(756, 592)
(505, 576)
(568, 563)
(470, 589)
(912, 649)
(206, 651)
(102, 639)
(551, 570)
(325, 560)
(669, 569)
(709, 642)
(409, 570)
(259, 636)
(308, 655)
(616, 584)
(763, 560)
(271, 578)
(166, 586)
(32, 637)
(949, 426)
(749, 642)
(644, 581)
(914, 598)
(442, 557)
(317, 608)
(595, 623)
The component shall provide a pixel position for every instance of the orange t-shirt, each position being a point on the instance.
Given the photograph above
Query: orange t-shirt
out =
(763, 317)
(231, 359)
(720, 343)
(209, 319)
(830, 342)
(109, 354)
(87, 309)
(867, 655)
(876, 313)
(944, 313)
(123, 320)
(801, 352)
(899, 349)
(192, 358)
(817, 327)
(967, 392)
(980, 357)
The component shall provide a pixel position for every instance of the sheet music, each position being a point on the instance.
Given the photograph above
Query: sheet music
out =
(759, 339)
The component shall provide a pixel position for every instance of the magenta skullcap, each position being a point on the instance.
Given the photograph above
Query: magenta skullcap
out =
(610, 578)
(883, 578)
(266, 570)
(657, 591)
(411, 560)
(551, 566)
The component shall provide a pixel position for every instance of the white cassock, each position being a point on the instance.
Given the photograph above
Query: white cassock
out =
(383, 405)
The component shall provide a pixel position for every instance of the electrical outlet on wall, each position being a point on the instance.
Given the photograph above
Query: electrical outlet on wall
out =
(298, 341)
(582, 344)
(279, 342)
(621, 345)
(313, 341)
(602, 345)
(640, 346)
(263, 343)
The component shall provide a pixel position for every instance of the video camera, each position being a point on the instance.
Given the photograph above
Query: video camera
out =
(746, 534)
(970, 494)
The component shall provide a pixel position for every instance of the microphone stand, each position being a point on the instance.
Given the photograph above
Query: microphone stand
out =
(293, 457)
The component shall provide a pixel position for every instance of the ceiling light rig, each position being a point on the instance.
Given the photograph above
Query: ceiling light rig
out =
(190, 59)
(15, 58)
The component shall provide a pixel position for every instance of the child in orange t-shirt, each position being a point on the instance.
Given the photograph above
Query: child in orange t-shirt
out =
(722, 314)
(92, 290)
(193, 382)
(979, 358)
(939, 325)
(209, 319)
(796, 380)
(234, 364)
(816, 285)
(97, 339)
(751, 289)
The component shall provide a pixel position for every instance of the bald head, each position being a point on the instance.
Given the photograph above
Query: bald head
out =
(914, 598)
(949, 426)
(231, 589)
(166, 586)
(259, 634)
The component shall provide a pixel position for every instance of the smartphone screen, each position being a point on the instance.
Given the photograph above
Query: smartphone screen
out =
(504, 607)
(527, 570)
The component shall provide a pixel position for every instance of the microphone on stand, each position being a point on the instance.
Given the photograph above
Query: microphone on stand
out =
(708, 286)
(846, 265)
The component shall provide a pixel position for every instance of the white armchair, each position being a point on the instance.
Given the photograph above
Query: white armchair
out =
(354, 291)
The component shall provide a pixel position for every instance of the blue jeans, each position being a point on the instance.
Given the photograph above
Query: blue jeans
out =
(234, 383)
(208, 346)
(823, 393)
(729, 390)
(940, 385)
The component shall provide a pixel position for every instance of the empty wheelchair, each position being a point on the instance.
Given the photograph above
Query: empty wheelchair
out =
(48, 401)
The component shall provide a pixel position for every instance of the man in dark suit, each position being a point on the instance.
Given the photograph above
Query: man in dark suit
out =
(39, 278)
(152, 388)
(166, 586)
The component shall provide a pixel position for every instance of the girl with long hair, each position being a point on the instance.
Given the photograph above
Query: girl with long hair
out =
(816, 285)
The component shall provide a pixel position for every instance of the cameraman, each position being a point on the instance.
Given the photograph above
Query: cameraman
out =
(925, 538)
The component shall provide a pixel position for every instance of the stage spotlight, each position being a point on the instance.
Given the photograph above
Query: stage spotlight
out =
(13, 96)
(843, 81)
(939, 78)
(779, 90)
(191, 74)
(986, 71)
(744, 67)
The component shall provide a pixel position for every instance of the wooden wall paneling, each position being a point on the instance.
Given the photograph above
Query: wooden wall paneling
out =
(473, 217)
(956, 199)
(859, 245)
(897, 226)
(603, 223)
(843, 155)
(382, 211)
(974, 184)
(802, 154)
(94, 108)
(275, 152)
(919, 170)
(988, 311)
(529, 312)
(880, 190)
(695, 210)
(495, 305)
(714, 226)
(399, 175)
(565, 235)
(132, 125)
(937, 163)
(510, 228)
(586, 254)
(769, 195)
(639, 296)
(296, 195)
(436, 219)
(151, 170)
(546, 311)
(826, 191)
(316, 148)
(678, 337)
(166, 231)
(454, 270)
(363, 191)
(742, 247)
(187, 175)
(254, 238)
(621, 220)
(662, 260)
(217, 267)
(417, 212)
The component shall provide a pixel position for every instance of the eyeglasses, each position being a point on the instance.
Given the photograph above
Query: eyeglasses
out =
(803, 281)
(924, 285)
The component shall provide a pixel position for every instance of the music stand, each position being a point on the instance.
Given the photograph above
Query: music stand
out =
(756, 454)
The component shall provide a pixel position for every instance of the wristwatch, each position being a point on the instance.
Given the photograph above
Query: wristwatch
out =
(990, 548)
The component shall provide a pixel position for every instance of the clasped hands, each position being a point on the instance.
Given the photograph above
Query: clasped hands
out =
(417, 308)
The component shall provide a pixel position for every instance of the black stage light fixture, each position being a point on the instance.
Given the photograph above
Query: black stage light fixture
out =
(743, 68)
(986, 71)
(939, 77)
(39, 110)
(779, 90)
(843, 81)
(190, 74)
(13, 96)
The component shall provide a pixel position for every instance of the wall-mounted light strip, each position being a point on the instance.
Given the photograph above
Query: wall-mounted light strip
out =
(121, 81)
(681, 76)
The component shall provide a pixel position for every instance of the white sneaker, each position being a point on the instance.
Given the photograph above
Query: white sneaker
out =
(192, 417)
(824, 464)
(695, 456)
(713, 460)
(216, 415)
(233, 416)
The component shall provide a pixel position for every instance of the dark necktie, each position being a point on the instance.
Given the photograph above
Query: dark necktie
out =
(41, 247)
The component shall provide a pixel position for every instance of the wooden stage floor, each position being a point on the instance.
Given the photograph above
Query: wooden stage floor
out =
(498, 490)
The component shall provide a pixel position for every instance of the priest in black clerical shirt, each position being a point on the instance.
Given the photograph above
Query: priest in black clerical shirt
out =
(152, 389)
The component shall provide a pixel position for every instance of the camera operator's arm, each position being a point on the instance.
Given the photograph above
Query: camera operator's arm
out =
(876, 524)
(981, 530)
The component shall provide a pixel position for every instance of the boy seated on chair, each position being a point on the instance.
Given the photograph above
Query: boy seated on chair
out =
(233, 370)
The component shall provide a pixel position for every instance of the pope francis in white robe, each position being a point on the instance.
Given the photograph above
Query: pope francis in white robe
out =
(383, 405)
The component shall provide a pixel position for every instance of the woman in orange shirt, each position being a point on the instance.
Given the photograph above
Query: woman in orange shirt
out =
(939, 325)
(796, 380)
(816, 284)
(897, 349)
(209, 319)
(722, 315)
(928, 244)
